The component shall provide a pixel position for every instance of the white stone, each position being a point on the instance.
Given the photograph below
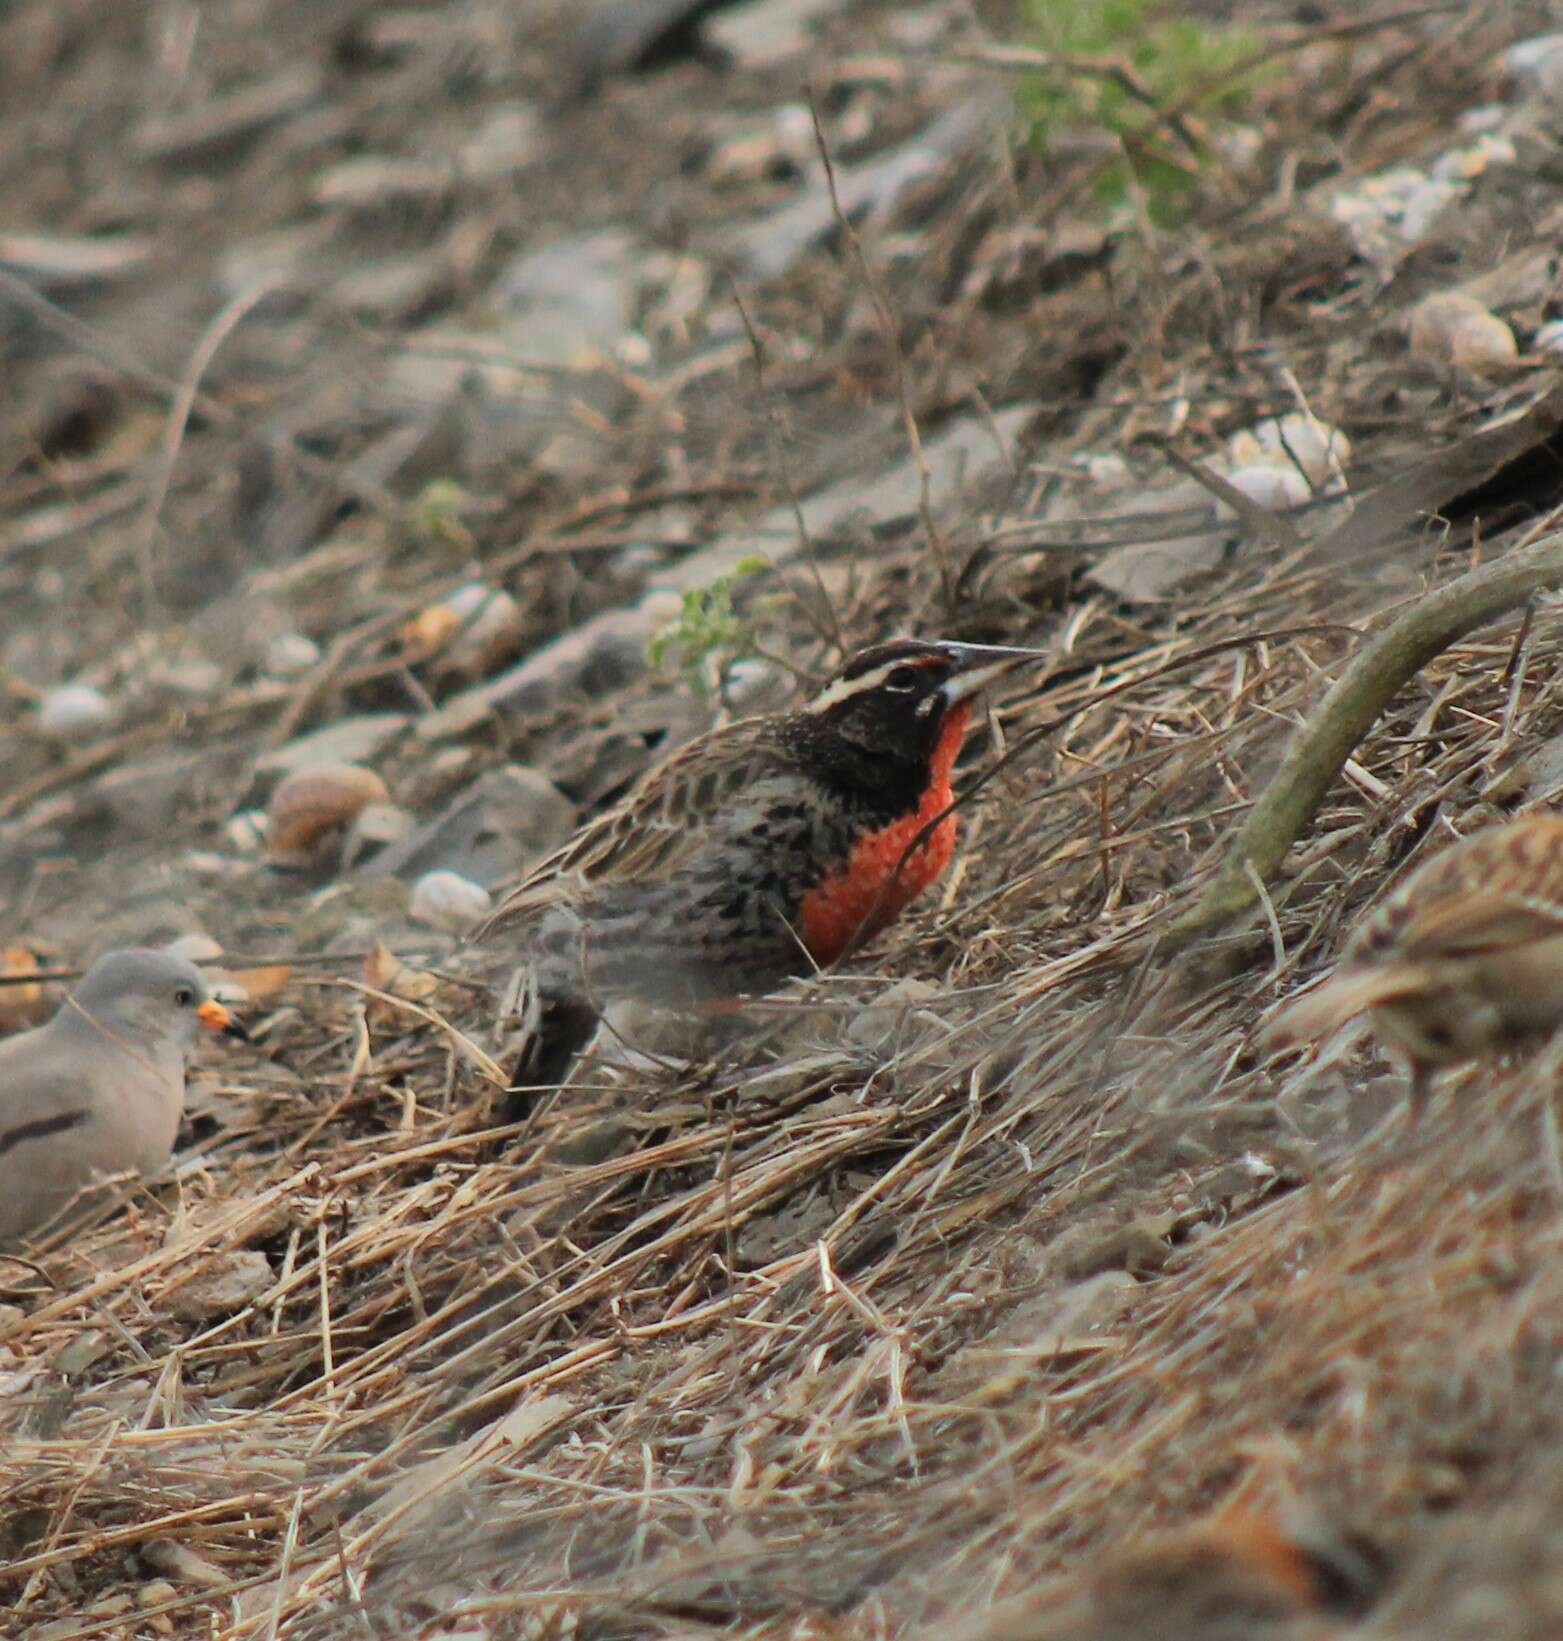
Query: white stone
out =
(1451, 328)
(756, 686)
(246, 831)
(1528, 58)
(485, 615)
(290, 655)
(1270, 486)
(74, 711)
(1294, 440)
(1108, 471)
(448, 901)
(1549, 339)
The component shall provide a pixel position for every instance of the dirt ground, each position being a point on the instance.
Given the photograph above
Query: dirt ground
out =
(381, 381)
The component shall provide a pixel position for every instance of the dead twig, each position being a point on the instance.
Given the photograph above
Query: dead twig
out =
(888, 329)
(783, 457)
(1383, 668)
(178, 419)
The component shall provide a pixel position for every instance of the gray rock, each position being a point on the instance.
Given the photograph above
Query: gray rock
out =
(568, 302)
(617, 35)
(769, 246)
(767, 32)
(1145, 571)
(352, 741)
(148, 800)
(507, 818)
(606, 653)
(226, 1281)
(510, 137)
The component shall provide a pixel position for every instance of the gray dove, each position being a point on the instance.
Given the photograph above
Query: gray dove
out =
(99, 1089)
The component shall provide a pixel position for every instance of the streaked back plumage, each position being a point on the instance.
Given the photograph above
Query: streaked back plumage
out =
(1464, 958)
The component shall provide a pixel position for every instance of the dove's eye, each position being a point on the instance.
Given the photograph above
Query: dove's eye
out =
(184, 997)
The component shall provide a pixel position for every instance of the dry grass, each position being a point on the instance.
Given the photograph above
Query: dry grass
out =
(898, 1299)
(739, 1338)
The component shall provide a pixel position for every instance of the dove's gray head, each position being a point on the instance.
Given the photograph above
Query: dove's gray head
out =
(151, 996)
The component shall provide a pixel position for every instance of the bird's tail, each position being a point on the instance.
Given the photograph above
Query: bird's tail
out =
(1324, 1009)
(564, 1027)
(551, 1024)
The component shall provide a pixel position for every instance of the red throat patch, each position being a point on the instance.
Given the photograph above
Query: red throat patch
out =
(859, 899)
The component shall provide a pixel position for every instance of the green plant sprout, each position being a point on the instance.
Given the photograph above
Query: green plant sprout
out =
(708, 634)
(435, 515)
(1178, 63)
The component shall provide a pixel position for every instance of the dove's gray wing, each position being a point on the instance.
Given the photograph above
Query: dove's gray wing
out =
(74, 1106)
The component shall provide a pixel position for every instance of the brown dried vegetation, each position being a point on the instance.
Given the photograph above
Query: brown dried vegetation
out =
(903, 1299)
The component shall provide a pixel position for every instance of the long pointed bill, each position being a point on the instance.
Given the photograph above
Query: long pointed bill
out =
(215, 1017)
(979, 664)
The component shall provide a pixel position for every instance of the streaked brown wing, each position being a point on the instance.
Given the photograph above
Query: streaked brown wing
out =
(649, 834)
(1474, 922)
(1320, 1011)
(1500, 884)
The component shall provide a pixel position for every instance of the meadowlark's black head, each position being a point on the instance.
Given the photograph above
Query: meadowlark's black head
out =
(889, 712)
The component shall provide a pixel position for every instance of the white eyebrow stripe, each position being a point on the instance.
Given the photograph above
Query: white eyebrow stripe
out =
(844, 688)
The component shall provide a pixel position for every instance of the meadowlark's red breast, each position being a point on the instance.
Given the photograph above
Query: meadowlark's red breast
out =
(766, 849)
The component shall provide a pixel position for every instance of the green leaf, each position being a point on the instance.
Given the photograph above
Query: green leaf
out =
(1182, 61)
(708, 634)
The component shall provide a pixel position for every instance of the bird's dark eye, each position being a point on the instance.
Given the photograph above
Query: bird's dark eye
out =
(184, 997)
(902, 680)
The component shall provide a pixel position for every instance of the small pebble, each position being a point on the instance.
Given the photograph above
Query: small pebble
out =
(469, 628)
(1451, 328)
(484, 616)
(194, 948)
(374, 827)
(290, 655)
(1549, 339)
(1108, 471)
(74, 711)
(246, 831)
(155, 1592)
(380, 823)
(1270, 486)
(661, 606)
(1528, 58)
(1295, 440)
(195, 678)
(213, 865)
(449, 901)
(312, 808)
(755, 685)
